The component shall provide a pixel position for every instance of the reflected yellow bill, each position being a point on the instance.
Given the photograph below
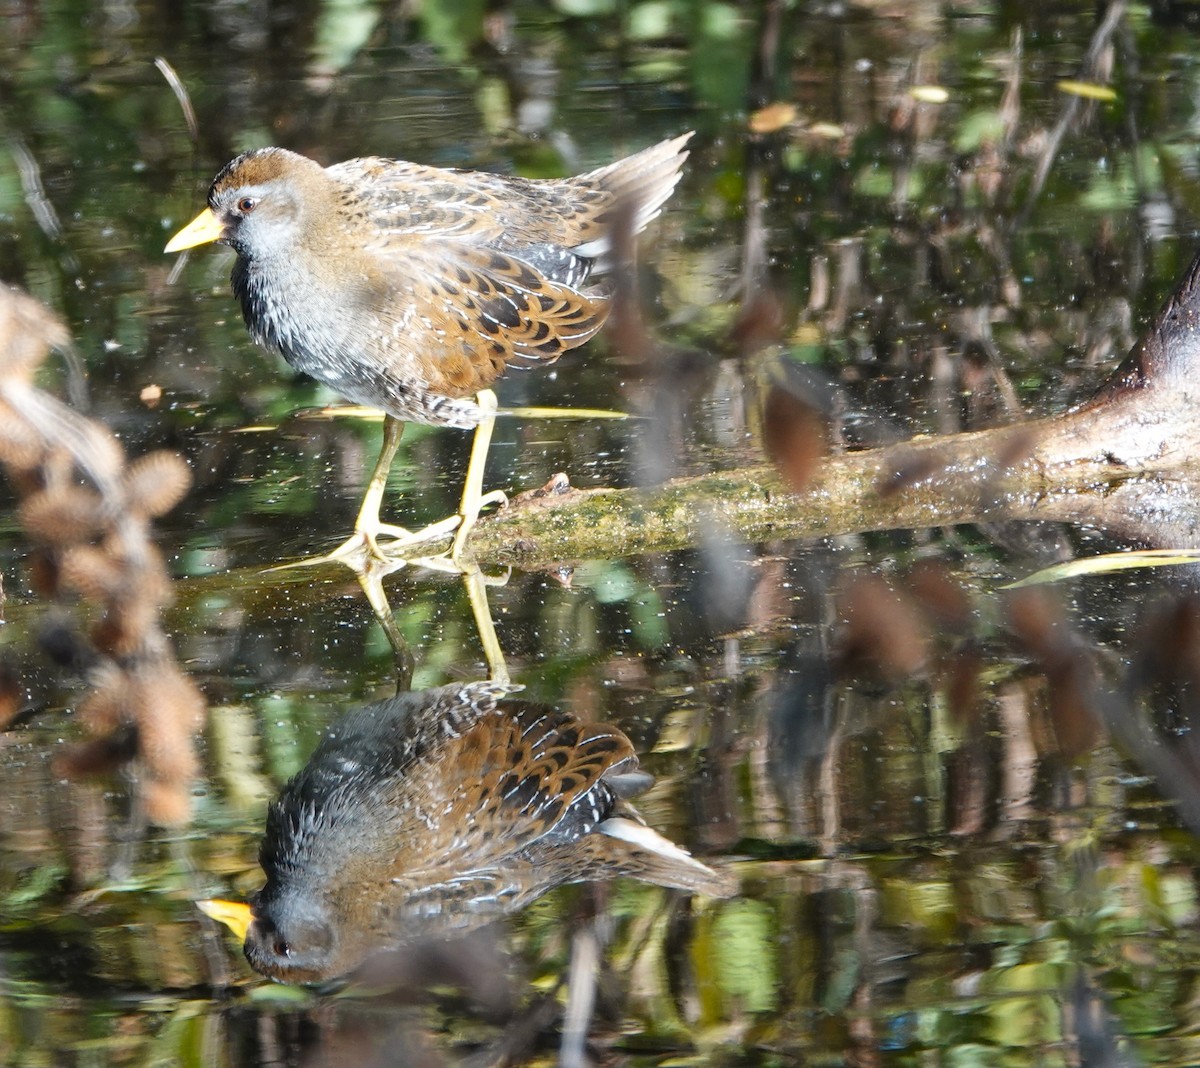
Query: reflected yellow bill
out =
(233, 914)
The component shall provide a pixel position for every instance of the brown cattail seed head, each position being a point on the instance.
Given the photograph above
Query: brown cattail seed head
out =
(179, 698)
(145, 571)
(107, 706)
(63, 516)
(125, 626)
(91, 572)
(166, 746)
(21, 447)
(28, 330)
(169, 710)
(156, 482)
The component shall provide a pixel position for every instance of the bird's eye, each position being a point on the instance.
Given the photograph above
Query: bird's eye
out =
(247, 204)
(282, 949)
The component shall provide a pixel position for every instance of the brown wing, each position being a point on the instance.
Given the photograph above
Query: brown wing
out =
(470, 312)
(522, 775)
(495, 209)
(407, 199)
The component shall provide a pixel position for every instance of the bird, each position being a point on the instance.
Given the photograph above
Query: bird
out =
(435, 812)
(411, 289)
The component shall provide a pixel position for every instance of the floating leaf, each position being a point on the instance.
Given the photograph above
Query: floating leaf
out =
(772, 118)
(929, 94)
(1101, 565)
(1088, 90)
(830, 130)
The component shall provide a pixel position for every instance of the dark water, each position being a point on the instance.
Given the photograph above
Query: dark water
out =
(945, 859)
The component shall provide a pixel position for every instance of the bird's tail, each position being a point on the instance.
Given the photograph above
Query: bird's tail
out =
(631, 848)
(640, 185)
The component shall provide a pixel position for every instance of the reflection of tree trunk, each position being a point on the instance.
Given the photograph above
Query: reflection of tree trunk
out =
(827, 792)
(1093, 67)
(1020, 764)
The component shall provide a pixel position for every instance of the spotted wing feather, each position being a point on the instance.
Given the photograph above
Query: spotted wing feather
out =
(477, 310)
(407, 199)
(509, 212)
(526, 776)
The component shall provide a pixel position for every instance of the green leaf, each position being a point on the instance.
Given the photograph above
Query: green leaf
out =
(1106, 563)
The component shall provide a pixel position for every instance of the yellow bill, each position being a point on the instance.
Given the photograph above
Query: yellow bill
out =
(235, 915)
(204, 228)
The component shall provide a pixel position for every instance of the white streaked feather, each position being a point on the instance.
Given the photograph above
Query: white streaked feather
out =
(639, 834)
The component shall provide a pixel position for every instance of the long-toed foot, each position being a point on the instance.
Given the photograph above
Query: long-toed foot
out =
(364, 548)
(365, 541)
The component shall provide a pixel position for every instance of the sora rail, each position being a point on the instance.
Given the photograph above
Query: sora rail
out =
(436, 812)
(411, 289)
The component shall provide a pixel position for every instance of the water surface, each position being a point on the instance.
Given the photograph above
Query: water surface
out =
(944, 857)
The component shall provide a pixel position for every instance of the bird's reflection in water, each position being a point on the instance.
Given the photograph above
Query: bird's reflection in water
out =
(438, 811)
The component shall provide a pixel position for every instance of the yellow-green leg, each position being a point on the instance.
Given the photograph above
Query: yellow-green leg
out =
(473, 497)
(367, 526)
(370, 578)
(363, 545)
(477, 583)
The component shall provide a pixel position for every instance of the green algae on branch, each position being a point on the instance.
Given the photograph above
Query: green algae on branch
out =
(850, 493)
(607, 523)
